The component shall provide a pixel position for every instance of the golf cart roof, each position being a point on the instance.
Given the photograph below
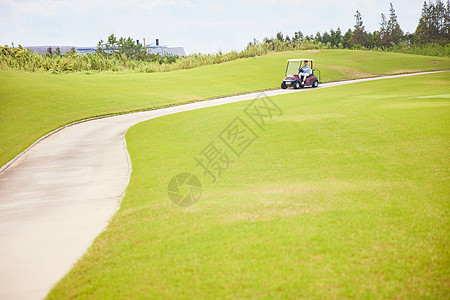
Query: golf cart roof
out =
(300, 59)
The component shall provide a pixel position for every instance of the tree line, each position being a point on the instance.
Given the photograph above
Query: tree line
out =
(433, 27)
(123, 54)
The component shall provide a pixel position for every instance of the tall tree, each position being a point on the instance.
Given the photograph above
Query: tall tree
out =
(359, 34)
(434, 23)
(422, 34)
(394, 31)
(371, 39)
(280, 36)
(447, 22)
(298, 37)
(326, 38)
(112, 42)
(346, 38)
(441, 21)
(382, 37)
(335, 36)
(318, 37)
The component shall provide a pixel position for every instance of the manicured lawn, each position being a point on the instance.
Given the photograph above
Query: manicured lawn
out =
(343, 195)
(32, 105)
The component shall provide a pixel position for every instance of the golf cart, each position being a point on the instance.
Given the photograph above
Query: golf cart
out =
(293, 78)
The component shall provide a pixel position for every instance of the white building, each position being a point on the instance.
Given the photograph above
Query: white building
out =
(161, 50)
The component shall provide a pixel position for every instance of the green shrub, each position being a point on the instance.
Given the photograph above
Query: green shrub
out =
(25, 60)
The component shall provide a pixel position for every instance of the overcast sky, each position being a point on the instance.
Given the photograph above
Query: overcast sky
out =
(197, 25)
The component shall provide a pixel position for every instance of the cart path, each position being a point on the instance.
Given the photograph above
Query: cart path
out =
(59, 195)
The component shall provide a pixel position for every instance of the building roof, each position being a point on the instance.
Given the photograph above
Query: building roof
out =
(300, 59)
(161, 50)
(176, 51)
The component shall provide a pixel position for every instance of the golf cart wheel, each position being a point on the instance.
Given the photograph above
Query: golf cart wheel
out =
(315, 83)
(283, 85)
(296, 85)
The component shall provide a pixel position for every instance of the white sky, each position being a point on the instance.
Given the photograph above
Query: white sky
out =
(197, 25)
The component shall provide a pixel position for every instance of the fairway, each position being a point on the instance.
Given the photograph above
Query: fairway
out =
(33, 104)
(343, 192)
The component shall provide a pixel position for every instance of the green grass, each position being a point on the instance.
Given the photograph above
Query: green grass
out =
(345, 195)
(33, 104)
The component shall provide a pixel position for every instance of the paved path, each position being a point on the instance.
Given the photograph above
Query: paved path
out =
(59, 195)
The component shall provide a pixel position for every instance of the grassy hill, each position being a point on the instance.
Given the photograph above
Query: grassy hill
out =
(32, 105)
(344, 194)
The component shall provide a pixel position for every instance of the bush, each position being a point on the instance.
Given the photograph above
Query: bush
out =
(431, 49)
(24, 60)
